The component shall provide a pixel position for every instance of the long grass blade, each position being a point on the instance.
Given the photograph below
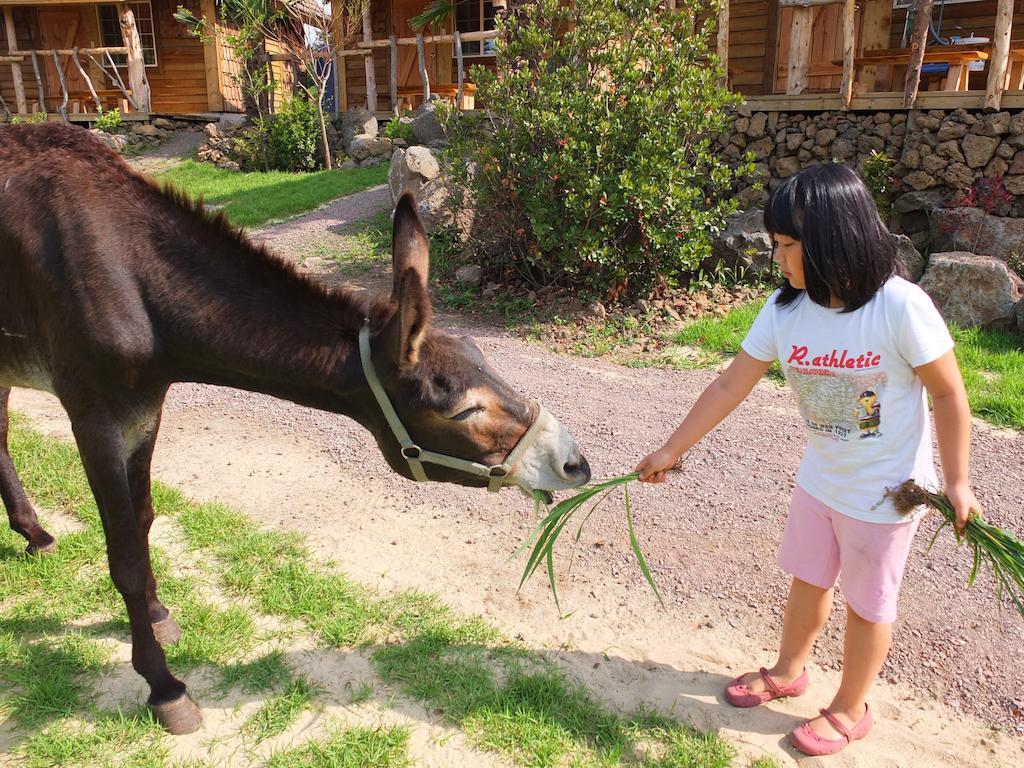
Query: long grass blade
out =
(636, 550)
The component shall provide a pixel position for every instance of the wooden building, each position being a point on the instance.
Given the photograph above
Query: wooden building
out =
(69, 55)
(798, 55)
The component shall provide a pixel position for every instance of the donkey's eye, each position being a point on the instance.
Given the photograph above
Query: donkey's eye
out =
(466, 413)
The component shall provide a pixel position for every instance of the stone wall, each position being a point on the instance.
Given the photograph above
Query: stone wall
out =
(937, 154)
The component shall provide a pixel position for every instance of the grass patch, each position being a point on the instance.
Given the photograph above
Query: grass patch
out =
(355, 748)
(112, 739)
(992, 363)
(255, 198)
(366, 244)
(278, 714)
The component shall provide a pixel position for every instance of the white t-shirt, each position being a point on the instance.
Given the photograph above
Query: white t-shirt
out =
(865, 410)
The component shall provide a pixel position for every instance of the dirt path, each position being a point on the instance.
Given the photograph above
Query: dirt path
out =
(956, 669)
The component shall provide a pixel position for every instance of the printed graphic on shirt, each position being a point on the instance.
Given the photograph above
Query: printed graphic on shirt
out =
(839, 393)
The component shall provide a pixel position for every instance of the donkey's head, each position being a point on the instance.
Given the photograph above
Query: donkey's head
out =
(447, 398)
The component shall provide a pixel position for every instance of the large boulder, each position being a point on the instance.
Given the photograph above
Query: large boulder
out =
(418, 170)
(357, 122)
(426, 128)
(910, 259)
(1020, 317)
(973, 291)
(365, 146)
(972, 228)
(410, 169)
(743, 244)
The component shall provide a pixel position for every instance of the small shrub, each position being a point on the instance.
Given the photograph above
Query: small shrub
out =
(597, 162)
(36, 118)
(396, 129)
(108, 121)
(294, 136)
(879, 179)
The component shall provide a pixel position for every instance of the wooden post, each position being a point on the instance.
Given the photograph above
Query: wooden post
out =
(460, 67)
(922, 18)
(128, 99)
(211, 57)
(340, 65)
(12, 47)
(1000, 55)
(799, 50)
(85, 76)
(371, 74)
(393, 74)
(63, 108)
(771, 52)
(39, 82)
(849, 46)
(421, 57)
(723, 42)
(136, 66)
(876, 23)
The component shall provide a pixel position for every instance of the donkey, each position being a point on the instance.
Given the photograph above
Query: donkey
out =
(112, 289)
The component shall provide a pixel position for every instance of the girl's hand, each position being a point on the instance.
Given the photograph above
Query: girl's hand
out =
(962, 498)
(652, 467)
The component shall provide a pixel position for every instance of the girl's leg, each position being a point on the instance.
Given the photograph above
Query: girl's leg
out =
(807, 610)
(864, 650)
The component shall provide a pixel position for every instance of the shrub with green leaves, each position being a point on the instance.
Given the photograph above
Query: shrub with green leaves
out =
(396, 129)
(36, 118)
(294, 136)
(108, 121)
(597, 155)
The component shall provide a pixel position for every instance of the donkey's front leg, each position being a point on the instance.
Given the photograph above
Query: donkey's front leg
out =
(19, 510)
(101, 444)
(140, 485)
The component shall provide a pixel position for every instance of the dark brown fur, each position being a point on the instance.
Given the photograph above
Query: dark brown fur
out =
(112, 289)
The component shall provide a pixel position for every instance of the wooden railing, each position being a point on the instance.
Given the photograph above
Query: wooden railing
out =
(1000, 54)
(368, 45)
(136, 94)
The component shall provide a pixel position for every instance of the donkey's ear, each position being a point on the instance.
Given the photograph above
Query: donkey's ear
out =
(404, 333)
(408, 326)
(410, 248)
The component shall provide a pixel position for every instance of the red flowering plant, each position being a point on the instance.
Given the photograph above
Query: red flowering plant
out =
(988, 195)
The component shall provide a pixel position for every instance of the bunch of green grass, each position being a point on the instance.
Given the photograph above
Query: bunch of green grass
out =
(558, 517)
(1003, 551)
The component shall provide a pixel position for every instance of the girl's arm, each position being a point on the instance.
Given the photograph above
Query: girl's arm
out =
(715, 403)
(953, 428)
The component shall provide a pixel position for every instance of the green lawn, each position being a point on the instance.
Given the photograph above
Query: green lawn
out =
(252, 199)
(992, 362)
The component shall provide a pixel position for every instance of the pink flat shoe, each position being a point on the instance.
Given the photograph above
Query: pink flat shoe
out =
(810, 743)
(737, 693)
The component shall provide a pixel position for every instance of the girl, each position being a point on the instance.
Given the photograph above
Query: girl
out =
(842, 325)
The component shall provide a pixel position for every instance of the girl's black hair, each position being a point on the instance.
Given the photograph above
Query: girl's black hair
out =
(848, 252)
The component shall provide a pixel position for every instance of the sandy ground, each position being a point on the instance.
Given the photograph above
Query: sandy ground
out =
(952, 690)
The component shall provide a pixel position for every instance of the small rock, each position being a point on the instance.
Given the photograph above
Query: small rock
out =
(597, 310)
(470, 275)
(978, 150)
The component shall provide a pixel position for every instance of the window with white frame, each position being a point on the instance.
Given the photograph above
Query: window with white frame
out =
(475, 16)
(110, 30)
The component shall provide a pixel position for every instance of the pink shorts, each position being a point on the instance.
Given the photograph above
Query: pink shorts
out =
(819, 542)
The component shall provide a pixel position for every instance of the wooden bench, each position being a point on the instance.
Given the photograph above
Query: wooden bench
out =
(957, 56)
(410, 98)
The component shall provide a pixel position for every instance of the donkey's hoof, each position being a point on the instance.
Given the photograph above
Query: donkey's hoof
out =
(167, 631)
(180, 716)
(43, 546)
